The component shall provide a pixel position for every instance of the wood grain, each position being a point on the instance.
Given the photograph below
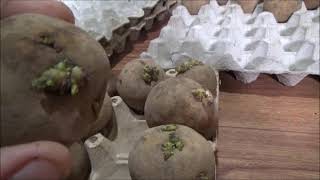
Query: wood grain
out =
(257, 154)
(287, 114)
(268, 137)
(268, 85)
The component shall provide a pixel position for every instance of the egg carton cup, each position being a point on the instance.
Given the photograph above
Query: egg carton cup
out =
(247, 44)
(135, 31)
(116, 21)
(109, 158)
(159, 13)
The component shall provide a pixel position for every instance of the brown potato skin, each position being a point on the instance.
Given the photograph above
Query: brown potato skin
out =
(104, 118)
(132, 88)
(112, 86)
(248, 6)
(194, 6)
(312, 4)
(29, 115)
(204, 75)
(222, 2)
(146, 160)
(51, 8)
(81, 166)
(172, 102)
(282, 10)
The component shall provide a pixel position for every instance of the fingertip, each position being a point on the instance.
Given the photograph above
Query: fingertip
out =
(15, 158)
(55, 153)
(51, 8)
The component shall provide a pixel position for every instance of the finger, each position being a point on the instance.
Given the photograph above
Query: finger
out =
(23, 159)
(51, 8)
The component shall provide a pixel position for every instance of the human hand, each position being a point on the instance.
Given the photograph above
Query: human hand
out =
(41, 160)
(51, 8)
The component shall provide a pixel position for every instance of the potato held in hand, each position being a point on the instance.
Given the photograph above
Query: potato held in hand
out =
(172, 152)
(53, 81)
(182, 101)
(136, 81)
(81, 166)
(199, 72)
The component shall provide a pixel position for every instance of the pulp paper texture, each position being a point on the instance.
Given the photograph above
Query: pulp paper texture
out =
(248, 44)
(100, 18)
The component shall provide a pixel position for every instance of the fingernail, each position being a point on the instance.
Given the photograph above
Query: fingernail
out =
(38, 170)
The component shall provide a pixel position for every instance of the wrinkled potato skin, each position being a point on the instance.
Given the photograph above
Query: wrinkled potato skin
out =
(172, 102)
(146, 160)
(204, 75)
(132, 88)
(30, 115)
(81, 166)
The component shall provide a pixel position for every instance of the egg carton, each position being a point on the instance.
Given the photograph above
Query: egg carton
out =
(109, 156)
(112, 22)
(247, 44)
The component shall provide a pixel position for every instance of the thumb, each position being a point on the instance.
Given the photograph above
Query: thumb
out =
(37, 160)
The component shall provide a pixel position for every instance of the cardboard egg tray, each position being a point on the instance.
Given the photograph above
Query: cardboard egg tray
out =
(246, 44)
(114, 22)
(109, 154)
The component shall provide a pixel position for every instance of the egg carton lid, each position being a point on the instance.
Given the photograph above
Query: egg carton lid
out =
(250, 44)
(145, 3)
(109, 158)
(101, 18)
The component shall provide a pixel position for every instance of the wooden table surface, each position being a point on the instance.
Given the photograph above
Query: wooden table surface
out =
(267, 130)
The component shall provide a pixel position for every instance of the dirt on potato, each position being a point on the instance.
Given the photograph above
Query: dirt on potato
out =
(202, 74)
(182, 101)
(53, 80)
(136, 80)
(192, 157)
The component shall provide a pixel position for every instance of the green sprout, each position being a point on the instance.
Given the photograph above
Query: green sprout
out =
(178, 144)
(47, 40)
(63, 78)
(203, 176)
(168, 150)
(150, 74)
(170, 127)
(173, 143)
(187, 66)
(200, 94)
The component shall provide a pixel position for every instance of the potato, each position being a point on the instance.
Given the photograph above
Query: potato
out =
(182, 101)
(112, 86)
(136, 80)
(282, 10)
(201, 73)
(53, 81)
(194, 6)
(248, 6)
(312, 4)
(222, 2)
(172, 152)
(104, 118)
(81, 166)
